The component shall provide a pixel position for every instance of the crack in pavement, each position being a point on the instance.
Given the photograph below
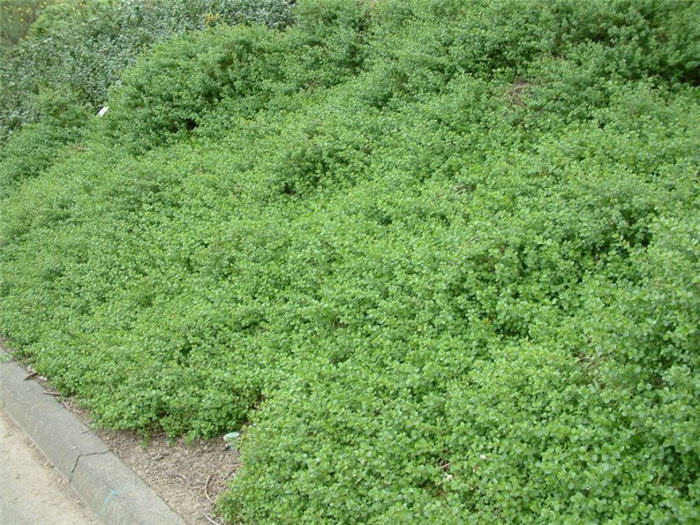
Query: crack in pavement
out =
(75, 466)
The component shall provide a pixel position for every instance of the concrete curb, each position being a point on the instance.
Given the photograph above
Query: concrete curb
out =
(101, 480)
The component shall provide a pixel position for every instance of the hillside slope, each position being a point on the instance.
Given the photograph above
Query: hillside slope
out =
(439, 260)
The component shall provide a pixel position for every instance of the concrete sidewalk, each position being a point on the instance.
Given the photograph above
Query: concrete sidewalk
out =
(31, 491)
(101, 480)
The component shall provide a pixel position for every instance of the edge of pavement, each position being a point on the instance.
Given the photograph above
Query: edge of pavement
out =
(101, 480)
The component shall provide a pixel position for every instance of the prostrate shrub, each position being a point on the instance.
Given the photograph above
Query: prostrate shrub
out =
(79, 49)
(83, 46)
(236, 71)
(39, 144)
(437, 260)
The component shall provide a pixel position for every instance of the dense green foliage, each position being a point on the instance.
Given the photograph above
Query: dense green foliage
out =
(439, 259)
(76, 50)
(16, 17)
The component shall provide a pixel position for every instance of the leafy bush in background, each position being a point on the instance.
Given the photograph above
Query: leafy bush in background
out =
(84, 46)
(16, 17)
(438, 259)
(236, 71)
(78, 50)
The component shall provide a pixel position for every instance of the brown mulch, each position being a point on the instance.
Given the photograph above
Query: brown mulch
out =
(188, 477)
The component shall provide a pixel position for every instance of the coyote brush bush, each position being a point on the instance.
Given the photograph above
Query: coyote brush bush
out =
(438, 260)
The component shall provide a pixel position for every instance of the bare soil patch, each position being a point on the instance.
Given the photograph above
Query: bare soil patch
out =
(517, 91)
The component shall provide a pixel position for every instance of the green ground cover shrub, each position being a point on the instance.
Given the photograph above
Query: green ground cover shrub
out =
(58, 131)
(83, 46)
(78, 49)
(438, 260)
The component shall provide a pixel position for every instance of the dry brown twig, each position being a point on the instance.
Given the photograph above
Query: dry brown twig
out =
(178, 475)
(210, 520)
(206, 488)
